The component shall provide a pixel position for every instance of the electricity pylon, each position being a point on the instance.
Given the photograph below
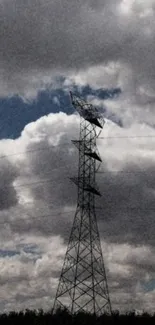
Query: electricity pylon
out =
(83, 284)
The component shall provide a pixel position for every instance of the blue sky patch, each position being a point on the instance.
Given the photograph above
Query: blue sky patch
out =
(8, 253)
(15, 113)
(149, 286)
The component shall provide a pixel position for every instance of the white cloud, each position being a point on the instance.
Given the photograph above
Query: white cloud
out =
(38, 225)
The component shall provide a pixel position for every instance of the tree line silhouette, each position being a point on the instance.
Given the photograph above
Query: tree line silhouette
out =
(63, 317)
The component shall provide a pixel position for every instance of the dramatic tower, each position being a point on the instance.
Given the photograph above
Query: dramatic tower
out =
(83, 284)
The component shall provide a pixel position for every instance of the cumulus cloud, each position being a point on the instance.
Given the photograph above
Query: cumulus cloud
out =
(35, 230)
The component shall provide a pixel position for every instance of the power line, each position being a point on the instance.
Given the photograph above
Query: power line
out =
(124, 172)
(47, 148)
(37, 217)
(33, 183)
(37, 182)
(62, 144)
(27, 184)
(127, 137)
(52, 180)
(31, 218)
(125, 209)
(31, 151)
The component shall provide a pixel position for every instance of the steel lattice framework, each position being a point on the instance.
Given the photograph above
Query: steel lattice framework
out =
(83, 284)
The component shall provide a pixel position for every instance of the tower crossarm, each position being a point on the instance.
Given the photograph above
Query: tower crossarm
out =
(87, 111)
(86, 186)
(92, 152)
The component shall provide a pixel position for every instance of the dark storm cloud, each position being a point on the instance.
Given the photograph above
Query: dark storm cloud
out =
(44, 36)
(128, 205)
(8, 195)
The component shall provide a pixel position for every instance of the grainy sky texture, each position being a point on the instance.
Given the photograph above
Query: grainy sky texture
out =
(51, 45)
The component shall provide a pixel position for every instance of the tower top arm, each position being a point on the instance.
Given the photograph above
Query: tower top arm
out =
(87, 111)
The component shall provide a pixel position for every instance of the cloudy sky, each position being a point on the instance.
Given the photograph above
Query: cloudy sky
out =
(104, 51)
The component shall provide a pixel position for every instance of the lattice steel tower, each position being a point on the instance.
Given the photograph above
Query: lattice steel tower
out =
(83, 284)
